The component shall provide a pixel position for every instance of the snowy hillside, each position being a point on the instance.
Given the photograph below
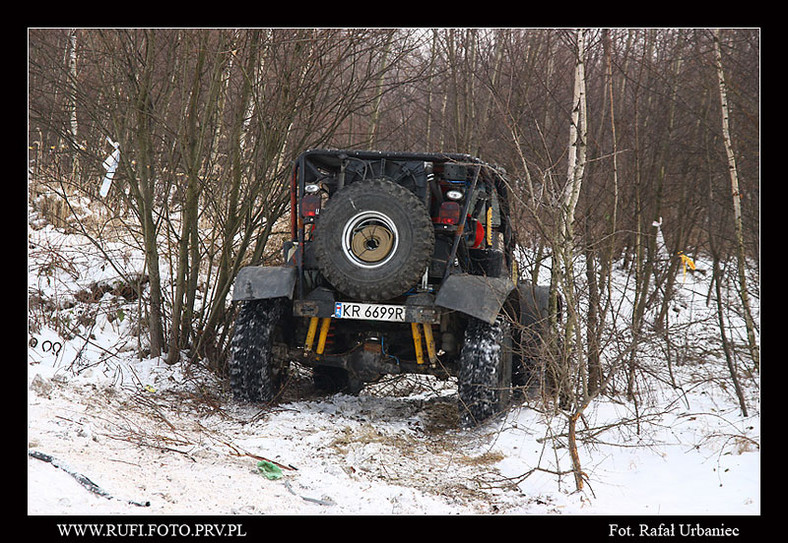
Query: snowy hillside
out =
(161, 440)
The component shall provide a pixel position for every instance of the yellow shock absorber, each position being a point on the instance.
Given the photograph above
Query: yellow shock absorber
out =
(430, 341)
(414, 328)
(489, 227)
(310, 335)
(321, 342)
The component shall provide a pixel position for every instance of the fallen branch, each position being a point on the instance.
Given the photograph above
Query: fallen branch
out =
(81, 479)
(238, 451)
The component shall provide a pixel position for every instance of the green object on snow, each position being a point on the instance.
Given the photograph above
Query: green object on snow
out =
(271, 471)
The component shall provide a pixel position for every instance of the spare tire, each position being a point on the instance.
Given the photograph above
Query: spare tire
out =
(374, 240)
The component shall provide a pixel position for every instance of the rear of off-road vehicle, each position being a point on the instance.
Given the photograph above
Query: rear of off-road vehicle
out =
(397, 263)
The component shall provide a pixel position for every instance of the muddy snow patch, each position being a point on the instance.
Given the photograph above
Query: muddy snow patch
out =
(155, 441)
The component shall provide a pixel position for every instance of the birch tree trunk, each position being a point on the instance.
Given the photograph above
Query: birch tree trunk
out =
(73, 127)
(736, 196)
(577, 146)
(72, 72)
(575, 169)
(564, 247)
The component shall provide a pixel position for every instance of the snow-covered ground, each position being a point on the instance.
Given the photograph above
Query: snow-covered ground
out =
(168, 440)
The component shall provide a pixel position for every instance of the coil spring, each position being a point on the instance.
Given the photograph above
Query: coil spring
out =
(330, 337)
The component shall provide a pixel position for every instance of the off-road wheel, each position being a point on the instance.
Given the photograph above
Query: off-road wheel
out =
(485, 373)
(255, 373)
(374, 240)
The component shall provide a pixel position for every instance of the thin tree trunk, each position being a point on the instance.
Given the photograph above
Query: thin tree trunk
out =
(72, 72)
(144, 194)
(430, 76)
(723, 336)
(716, 284)
(575, 170)
(195, 144)
(73, 127)
(228, 258)
(375, 119)
(593, 324)
(736, 196)
(642, 268)
(480, 134)
(189, 214)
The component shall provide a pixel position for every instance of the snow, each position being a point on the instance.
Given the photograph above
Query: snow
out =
(171, 436)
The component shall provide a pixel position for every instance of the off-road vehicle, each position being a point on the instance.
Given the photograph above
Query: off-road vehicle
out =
(396, 263)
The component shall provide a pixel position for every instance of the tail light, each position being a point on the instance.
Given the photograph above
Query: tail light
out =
(310, 205)
(449, 213)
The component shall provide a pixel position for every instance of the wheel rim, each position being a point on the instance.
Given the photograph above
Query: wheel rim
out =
(370, 239)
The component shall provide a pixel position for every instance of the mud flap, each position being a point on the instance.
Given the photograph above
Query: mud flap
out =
(475, 295)
(264, 282)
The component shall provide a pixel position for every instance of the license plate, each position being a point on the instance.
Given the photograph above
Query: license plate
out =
(377, 312)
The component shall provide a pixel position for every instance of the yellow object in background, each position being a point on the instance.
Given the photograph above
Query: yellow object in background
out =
(686, 261)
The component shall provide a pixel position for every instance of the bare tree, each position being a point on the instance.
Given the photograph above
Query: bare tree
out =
(736, 198)
(197, 143)
(564, 248)
(137, 94)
